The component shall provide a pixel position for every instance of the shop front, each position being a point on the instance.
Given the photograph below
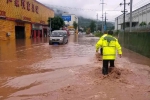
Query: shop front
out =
(22, 19)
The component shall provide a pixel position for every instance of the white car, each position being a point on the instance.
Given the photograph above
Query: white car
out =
(58, 36)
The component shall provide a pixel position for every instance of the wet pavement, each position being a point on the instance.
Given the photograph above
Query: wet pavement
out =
(32, 69)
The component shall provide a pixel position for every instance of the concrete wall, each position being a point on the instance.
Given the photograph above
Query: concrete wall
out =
(140, 15)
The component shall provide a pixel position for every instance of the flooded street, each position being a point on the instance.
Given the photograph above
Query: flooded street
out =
(32, 69)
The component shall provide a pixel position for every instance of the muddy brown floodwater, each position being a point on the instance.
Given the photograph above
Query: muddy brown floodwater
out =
(32, 69)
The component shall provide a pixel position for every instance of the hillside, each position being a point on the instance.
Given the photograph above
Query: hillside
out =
(82, 22)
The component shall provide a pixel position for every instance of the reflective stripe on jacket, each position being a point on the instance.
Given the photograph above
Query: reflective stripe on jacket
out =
(110, 45)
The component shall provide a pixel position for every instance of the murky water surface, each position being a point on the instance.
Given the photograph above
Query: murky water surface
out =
(32, 69)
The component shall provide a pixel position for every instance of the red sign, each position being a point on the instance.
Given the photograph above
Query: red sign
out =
(36, 9)
(25, 5)
(28, 6)
(32, 7)
(9, 1)
(16, 3)
(2, 13)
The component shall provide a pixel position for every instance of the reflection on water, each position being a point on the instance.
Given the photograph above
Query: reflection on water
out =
(135, 57)
(17, 56)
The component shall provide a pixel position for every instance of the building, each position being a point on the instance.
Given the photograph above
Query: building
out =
(140, 15)
(23, 19)
(69, 19)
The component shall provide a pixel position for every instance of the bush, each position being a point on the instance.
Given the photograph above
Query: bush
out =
(143, 24)
(98, 34)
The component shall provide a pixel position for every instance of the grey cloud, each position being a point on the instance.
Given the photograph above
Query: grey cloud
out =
(90, 4)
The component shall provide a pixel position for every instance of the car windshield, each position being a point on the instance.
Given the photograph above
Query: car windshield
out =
(57, 34)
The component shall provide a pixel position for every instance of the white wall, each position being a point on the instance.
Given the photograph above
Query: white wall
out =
(140, 15)
(73, 18)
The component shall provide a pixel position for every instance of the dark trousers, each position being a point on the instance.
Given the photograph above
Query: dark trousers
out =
(105, 66)
(101, 51)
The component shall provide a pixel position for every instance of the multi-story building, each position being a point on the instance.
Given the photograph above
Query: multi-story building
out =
(69, 19)
(23, 19)
(140, 15)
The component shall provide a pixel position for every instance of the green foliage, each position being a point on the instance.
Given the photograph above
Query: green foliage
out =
(149, 23)
(98, 34)
(56, 23)
(88, 31)
(116, 32)
(143, 24)
(92, 26)
(75, 25)
(85, 22)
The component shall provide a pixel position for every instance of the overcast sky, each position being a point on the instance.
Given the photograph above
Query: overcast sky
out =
(88, 8)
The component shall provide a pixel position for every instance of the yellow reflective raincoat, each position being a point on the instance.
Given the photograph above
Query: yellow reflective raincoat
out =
(110, 45)
(97, 46)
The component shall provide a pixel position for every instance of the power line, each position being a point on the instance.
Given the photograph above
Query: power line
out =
(124, 12)
(136, 12)
(117, 6)
(140, 3)
(81, 9)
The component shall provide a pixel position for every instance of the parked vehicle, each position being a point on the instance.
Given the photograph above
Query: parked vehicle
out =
(58, 36)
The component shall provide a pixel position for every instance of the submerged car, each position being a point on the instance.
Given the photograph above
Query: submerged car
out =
(58, 36)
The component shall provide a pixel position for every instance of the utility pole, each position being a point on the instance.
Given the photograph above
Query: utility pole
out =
(117, 23)
(124, 12)
(97, 23)
(105, 27)
(102, 13)
(131, 15)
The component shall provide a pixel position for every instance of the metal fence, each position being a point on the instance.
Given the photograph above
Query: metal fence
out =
(145, 28)
(136, 41)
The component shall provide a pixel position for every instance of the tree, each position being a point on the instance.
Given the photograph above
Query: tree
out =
(142, 23)
(92, 26)
(88, 31)
(75, 25)
(56, 23)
